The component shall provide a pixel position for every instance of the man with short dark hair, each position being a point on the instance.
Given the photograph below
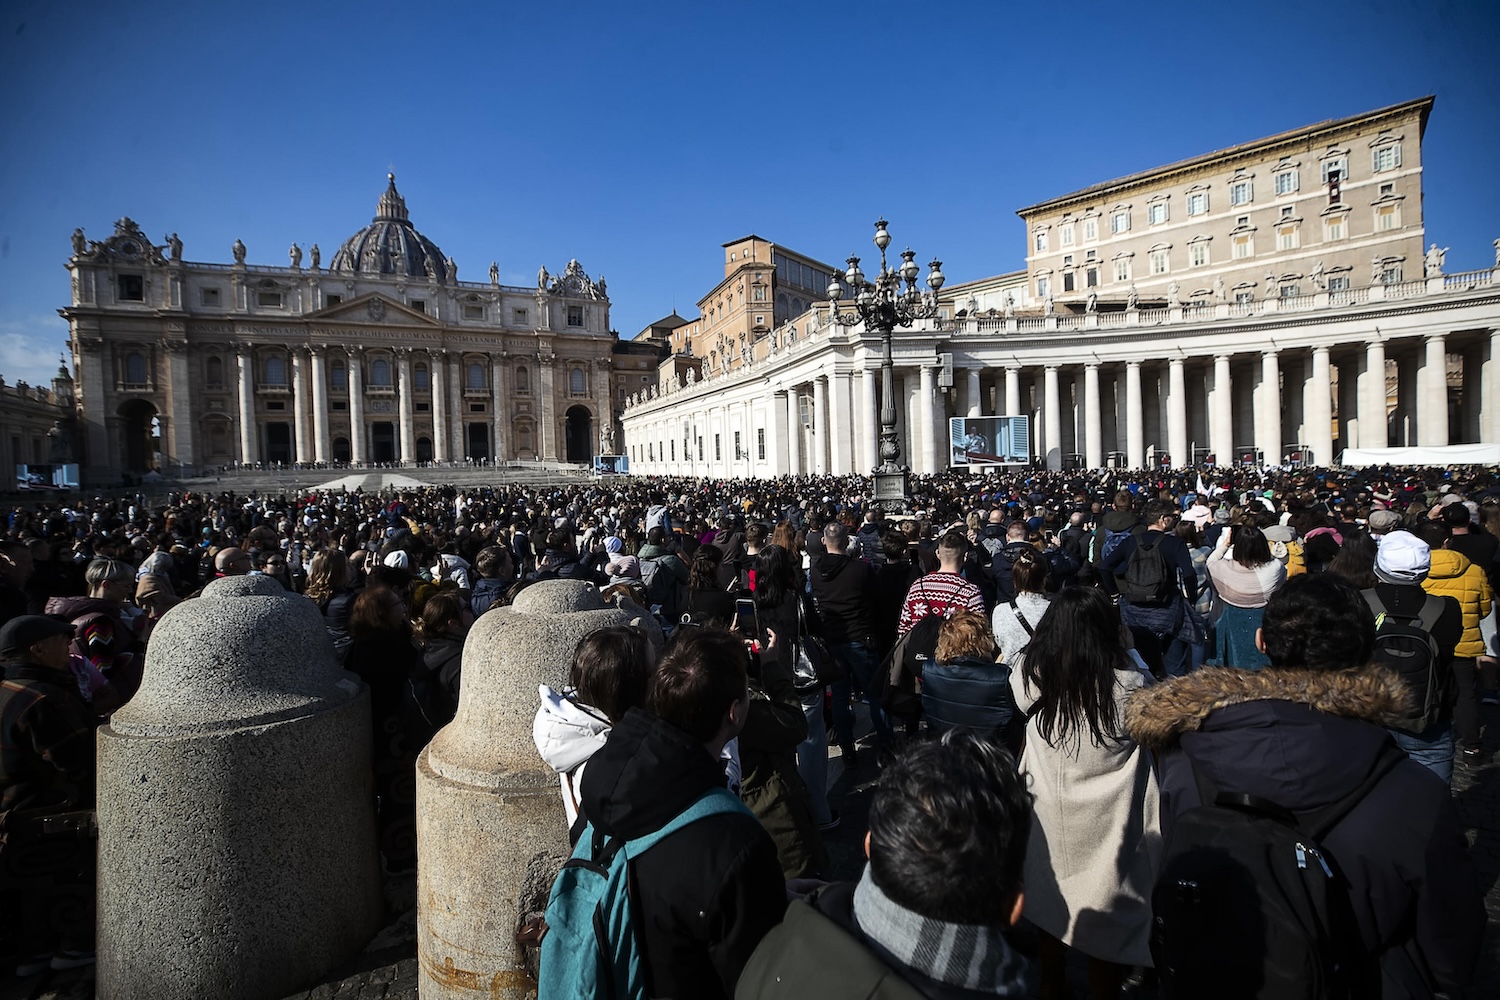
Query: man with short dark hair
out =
(706, 894)
(949, 822)
(844, 588)
(1308, 731)
(1164, 625)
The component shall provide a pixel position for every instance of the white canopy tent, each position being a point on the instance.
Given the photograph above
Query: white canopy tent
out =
(1453, 454)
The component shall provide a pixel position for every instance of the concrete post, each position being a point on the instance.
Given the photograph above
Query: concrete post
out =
(237, 848)
(491, 833)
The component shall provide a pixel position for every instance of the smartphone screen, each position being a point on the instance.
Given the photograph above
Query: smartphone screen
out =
(744, 615)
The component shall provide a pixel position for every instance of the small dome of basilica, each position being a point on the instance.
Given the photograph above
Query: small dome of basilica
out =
(391, 244)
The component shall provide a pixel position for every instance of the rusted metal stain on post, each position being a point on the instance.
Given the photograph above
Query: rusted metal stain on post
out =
(498, 985)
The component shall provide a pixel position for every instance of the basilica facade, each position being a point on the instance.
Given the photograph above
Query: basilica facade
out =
(381, 356)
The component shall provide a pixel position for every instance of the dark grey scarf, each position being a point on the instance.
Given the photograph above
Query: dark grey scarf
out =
(970, 956)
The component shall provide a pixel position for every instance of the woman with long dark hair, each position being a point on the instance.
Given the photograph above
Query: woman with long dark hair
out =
(706, 602)
(1095, 840)
(1245, 575)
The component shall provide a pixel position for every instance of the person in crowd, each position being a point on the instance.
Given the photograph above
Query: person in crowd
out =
(610, 675)
(384, 655)
(965, 687)
(1451, 574)
(1014, 621)
(432, 690)
(1190, 533)
(1307, 731)
(665, 575)
(843, 587)
(706, 601)
(894, 576)
(1356, 560)
(950, 822)
(108, 652)
(273, 563)
(1096, 835)
(1244, 575)
(707, 894)
(496, 571)
(155, 597)
(16, 567)
(945, 592)
(46, 793)
(232, 561)
(1118, 521)
(1162, 623)
(1003, 560)
(329, 586)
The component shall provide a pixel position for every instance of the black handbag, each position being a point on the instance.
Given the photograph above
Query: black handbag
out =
(813, 666)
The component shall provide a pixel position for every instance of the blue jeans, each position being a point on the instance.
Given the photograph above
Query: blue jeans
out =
(812, 755)
(1432, 749)
(860, 665)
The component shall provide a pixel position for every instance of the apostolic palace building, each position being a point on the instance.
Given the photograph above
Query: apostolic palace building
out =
(381, 355)
(1267, 302)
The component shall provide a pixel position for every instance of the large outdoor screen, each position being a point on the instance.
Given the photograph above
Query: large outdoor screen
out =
(980, 441)
(47, 477)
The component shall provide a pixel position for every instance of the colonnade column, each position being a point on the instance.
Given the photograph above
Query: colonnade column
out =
(1135, 434)
(819, 463)
(794, 433)
(182, 421)
(1177, 423)
(1432, 426)
(498, 450)
(1221, 422)
(925, 431)
(356, 405)
(549, 415)
(1051, 420)
(455, 430)
(781, 438)
(1012, 392)
(1268, 409)
(249, 454)
(1374, 431)
(1092, 424)
(437, 366)
(404, 406)
(841, 441)
(322, 436)
(867, 423)
(1489, 392)
(299, 407)
(1320, 409)
(974, 388)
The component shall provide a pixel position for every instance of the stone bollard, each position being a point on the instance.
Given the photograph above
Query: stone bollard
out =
(237, 854)
(491, 833)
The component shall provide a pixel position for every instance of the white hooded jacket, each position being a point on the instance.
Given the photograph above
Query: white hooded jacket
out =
(567, 734)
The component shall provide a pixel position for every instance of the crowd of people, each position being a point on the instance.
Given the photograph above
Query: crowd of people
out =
(1063, 674)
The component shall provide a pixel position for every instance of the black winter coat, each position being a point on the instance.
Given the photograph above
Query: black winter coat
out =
(1304, 739)
(973, 693)
(708, 893)
(844, 588)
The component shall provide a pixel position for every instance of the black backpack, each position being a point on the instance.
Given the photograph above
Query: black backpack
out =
(1406, 646)
(1148, 580)
(1247, 903)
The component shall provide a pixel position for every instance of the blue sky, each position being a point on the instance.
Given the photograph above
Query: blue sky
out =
(639, 137)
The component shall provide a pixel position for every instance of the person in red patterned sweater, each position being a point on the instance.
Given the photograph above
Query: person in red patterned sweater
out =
(944, 592)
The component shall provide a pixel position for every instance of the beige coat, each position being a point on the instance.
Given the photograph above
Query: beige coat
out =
(1095, 836)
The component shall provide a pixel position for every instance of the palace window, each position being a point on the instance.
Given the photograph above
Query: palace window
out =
(1197, 203)
(269, 299)
(1122, 269)
(420, 305)
(1338, 283)
(420, 379)
(1043, 286)
(1119, 222)
(1242, 246)
(475, 376)
(131, 287)
(718, 451)
(1091, 277)
(1241, 192)
(523, 380)
(1067, 281)
(518, 317)
(473, 311)
(1387, 157)
(1289, 291)
(1198, 254)
(208, 296)
(335, 300)
(338, 376)
(1065, 235)
(760, 443)
(135, 368)
(1156, 213)
(1335, 169)
(1387, 217)
(215, 373)
(1391, 273)
(1040, 242)
(578, 384)
(275, 370)
(1286, 182)
(1286, 237)
(575, 315)
(1090, 230)
(1160, 262)
(380, 372)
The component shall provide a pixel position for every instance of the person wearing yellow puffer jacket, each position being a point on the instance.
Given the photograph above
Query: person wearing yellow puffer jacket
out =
(1453, 575)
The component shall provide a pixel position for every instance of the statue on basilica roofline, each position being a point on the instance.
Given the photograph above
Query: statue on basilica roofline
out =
(1497, 253)
(1315, 275)
(494, 272)
(1132, 300)
(1219, 293)
(1010, 305)
(239, 251)
(174, 247)
(316, 255)
(541, 278)
(81, 245)
(1174, 293)
(452, 271)
(1092, 304)
(1432, 263)
(295, 253)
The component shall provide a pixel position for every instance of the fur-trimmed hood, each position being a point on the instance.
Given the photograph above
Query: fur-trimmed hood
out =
(1157, 716)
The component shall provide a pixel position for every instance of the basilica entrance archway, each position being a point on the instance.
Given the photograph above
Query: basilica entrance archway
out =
(383, 441)
(580, 434)
(279, 443)
(478, 441)
(142, 434)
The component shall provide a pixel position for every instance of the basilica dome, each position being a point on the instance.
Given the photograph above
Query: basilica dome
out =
(391, 244)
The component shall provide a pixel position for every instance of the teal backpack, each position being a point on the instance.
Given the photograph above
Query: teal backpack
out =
(590, 950)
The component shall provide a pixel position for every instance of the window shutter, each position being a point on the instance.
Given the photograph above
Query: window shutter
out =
(1397, 161)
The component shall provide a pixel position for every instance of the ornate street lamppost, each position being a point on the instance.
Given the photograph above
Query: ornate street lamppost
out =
(882, 305)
